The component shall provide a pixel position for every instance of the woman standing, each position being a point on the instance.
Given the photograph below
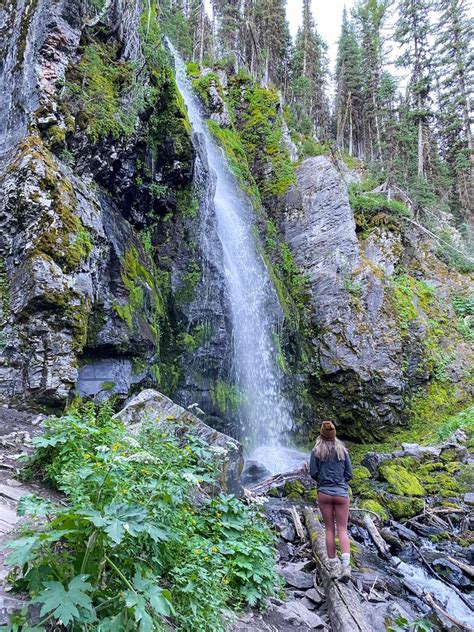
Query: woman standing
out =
(330, 466)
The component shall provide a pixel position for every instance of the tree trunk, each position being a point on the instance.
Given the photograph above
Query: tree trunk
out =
(420, 140)
(343, 603)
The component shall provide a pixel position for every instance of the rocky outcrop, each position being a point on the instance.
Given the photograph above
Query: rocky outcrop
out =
(155, 407)
(371, 356)
(75, 287)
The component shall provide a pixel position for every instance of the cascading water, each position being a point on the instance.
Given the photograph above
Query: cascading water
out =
(265, 412)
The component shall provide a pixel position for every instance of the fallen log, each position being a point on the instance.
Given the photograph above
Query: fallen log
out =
(297, 522)
(344, 607)
(442, 579)
(278, 480)
(368, 524)
(466, 568)
(436, 608)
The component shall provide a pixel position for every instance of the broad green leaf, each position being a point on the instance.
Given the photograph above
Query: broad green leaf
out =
(23, 550)
(65, 603)
(33, 506)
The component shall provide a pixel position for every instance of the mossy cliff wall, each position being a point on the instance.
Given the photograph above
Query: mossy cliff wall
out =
(96, 197)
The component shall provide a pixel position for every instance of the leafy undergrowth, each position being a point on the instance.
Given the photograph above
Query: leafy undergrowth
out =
(420, 432)
(141, 545)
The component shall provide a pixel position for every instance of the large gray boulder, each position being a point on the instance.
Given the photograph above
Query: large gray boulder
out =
(150, 405)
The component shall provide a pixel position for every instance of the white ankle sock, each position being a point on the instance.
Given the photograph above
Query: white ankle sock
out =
(332, 560)
(346, 559)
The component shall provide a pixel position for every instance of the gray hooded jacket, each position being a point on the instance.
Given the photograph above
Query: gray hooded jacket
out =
(332, 476)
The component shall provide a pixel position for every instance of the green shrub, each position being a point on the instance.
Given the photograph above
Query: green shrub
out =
(371, 209)
(132, 549)
(402, 625)
(310, 147)
(100, 85)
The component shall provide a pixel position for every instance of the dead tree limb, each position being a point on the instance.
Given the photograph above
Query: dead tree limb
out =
(344, 607)
(466, 568)
(297, 522)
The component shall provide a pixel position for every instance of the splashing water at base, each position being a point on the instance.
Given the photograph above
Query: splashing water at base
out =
(265, 414)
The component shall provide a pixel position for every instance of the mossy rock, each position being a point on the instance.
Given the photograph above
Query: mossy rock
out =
(274, 492)
(312, 495)
(361, 482)
(400, 481)
(404, 507)
(375, 506)
(294, 490)
(410, 463)
(361, 473)
(451, 454)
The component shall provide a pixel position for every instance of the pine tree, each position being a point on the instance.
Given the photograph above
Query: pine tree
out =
(413, 30)
(371, 16)
(455, 64)
(267, 41)
(348, 104)
(309, 74)
(200, 29)
(228, 19)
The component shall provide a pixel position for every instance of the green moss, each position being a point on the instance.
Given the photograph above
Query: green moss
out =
(96, 322)
(190, 341)
(97, 84)
(236, 156)
(26, 18)
(373, 209)
(55, 136)
(185, 292)
(312, 495)
(147, 295)
(4, 292)
(400, 481)
(375, 506)
(401, 507)
(225, 397)
(63, 238)
(294, 490)
(107, 386)
(361, 473)
(202, 83)
(260, 129)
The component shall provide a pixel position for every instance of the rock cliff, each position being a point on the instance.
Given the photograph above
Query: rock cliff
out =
(381, 306)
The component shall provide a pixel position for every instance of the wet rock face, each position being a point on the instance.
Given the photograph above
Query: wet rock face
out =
(69, 228)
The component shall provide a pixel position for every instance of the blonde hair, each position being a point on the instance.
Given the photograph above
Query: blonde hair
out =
(329, 450)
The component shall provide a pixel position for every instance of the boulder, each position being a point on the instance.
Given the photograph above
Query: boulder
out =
(296, 612)
(297, 578)
(452, 573)
(253, 473)
(152, 406)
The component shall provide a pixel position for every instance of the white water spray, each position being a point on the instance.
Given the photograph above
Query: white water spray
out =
(265, 412)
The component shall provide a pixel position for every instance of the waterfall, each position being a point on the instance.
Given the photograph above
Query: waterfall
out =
(265, 413)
